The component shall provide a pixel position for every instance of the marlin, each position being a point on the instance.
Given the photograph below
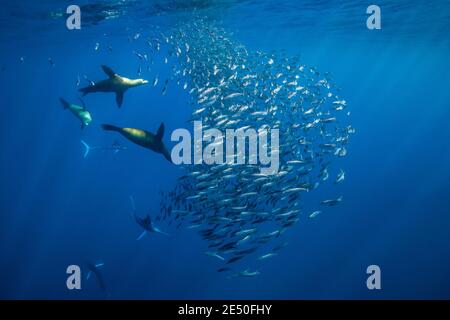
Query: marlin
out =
(116, 147)
(94, 269)
(145, 223)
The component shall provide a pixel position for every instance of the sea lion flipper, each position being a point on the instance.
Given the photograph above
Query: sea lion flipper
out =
(108, 71)
(160, 133)
(109, 127)
(167, 155)
(87, 90)
(119, 98)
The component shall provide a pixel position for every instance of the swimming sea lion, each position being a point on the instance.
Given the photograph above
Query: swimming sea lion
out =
(114, 83)
(79, 111)
(143, 138)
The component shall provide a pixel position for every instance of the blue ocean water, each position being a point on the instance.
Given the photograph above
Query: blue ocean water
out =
(58, 208)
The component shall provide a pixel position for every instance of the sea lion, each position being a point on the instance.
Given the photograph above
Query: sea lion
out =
(79, 111)
(143, 138)
(114, 83)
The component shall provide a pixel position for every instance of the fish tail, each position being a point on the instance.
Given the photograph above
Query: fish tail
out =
(133, 204)
(162, 232)
(141, 236)
(87, 147)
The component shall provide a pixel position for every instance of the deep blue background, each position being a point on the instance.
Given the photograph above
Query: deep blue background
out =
(59, 209)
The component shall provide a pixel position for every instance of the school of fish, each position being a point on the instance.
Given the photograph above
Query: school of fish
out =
(240, 212)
